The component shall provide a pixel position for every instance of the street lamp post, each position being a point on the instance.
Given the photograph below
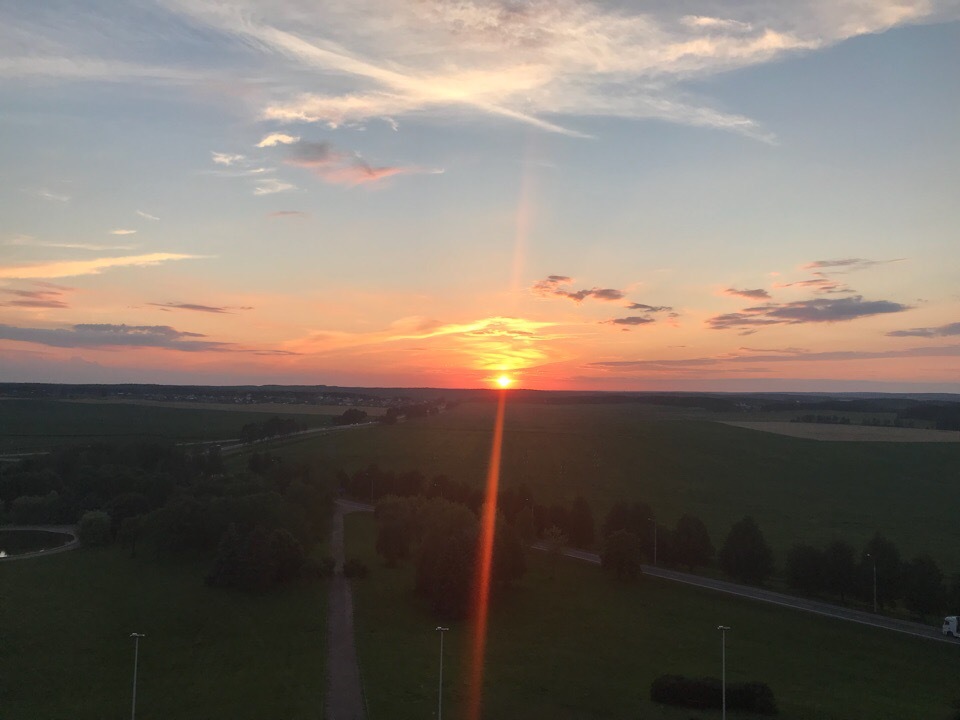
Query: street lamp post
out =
(654, 540)
(441, 630)
(136, 654)
(874, 581)
(723, 668)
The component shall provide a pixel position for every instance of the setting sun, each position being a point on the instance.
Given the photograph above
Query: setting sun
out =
(504, 381)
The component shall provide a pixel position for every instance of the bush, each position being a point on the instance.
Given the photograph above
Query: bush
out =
(318, 567)
(95, 528)
(707, 693)
(354, 568)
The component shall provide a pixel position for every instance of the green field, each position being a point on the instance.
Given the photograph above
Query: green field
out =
(31, 425)
(583, 646)
(65, 651)
(798, 490)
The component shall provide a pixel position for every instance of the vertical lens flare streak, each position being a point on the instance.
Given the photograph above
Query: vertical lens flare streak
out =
(488, 523)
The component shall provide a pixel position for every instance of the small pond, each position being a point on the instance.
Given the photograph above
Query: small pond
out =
(18, 542)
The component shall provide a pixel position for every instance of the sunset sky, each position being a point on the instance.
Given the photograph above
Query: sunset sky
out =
(680, 194)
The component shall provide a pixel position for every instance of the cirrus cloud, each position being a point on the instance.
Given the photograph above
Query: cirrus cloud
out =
(72, 268)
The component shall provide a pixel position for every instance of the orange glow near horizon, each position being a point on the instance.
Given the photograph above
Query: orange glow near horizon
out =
(504, 381)
(481, 600)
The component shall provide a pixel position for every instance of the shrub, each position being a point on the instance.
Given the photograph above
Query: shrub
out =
(707, 693)
(323, 567)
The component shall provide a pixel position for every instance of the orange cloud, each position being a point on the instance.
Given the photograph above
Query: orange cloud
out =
(73, 268)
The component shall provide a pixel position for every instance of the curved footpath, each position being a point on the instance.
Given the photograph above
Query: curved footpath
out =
(344, 692)
(70, 530)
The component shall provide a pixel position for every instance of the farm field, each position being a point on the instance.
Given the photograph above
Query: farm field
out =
(32, 425)
(582, 645)
(271, 408)
(798, 490)
(65, 651)
(849, 433)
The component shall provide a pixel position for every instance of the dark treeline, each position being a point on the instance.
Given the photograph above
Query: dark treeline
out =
(630, 536)
(441, 536)
(836, 570)
(274, 427)
(518, 506)
(165, 500)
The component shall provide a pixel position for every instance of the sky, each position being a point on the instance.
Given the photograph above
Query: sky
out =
(669, 195)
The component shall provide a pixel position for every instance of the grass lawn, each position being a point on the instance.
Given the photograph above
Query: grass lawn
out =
(43, 424)
(65, 650)
(798, 490)
(584, 646)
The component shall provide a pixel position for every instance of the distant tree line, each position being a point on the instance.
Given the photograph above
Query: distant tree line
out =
(274, 427)
(518, 505)
(626, 540)
(353, 416)
(165, 500)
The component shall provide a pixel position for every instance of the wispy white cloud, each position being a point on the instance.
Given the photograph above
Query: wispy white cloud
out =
(271, 186)
(147, 216)
(72, 268)
(277, 139)
(226, 158)
(123, 231)
(541, 62)
(30, 241)
(87, 68)
(58, 197)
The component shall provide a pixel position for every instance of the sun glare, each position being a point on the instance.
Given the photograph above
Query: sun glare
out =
(504, 381)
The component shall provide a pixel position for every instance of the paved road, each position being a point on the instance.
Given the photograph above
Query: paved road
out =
(70, 530)
(813, 606)
(344, 696)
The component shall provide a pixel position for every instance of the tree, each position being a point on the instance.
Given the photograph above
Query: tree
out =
(618, 518)
(923, 590)
(882, 554)
(445, 570)
(580, 522)
(257, 569)
(447, 556)
(392, 541)
(129, 533)
(353, 416)
(509, 564)
(839, 569)
(554, 540)
(226, 565)
(805, 568)
(621, 555)
(37, 509)
(691, 544)
(745, 554)
(286, 555)
(953, 595)
(95, 528)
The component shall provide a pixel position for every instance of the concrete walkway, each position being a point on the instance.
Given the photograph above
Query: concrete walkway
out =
(344, 696)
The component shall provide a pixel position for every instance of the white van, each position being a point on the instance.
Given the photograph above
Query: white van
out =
(951, 626)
